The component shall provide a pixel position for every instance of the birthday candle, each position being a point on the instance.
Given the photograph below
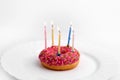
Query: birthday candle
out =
(45, 36)
(72, 40)
(59, 38)
(69, 35)
(52, 33)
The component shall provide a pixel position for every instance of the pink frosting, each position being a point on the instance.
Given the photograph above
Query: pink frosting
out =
(67, 56)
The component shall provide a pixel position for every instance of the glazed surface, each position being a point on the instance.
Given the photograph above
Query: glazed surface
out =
(67, 56)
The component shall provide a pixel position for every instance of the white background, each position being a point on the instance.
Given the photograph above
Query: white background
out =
(95, 21)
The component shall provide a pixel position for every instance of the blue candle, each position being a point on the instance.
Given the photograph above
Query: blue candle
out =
(69, 36)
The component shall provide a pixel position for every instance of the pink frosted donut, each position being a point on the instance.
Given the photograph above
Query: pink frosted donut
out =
(67, 59)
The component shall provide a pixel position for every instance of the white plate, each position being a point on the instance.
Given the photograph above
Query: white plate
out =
(22, 62)
(115, 78)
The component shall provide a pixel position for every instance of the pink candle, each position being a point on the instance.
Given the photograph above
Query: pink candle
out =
(45, 36)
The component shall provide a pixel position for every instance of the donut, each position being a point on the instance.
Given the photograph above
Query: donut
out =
(67, 59)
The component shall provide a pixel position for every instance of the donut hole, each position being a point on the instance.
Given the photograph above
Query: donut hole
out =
(63, 51)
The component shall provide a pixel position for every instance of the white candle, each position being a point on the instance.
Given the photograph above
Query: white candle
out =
(72, 40)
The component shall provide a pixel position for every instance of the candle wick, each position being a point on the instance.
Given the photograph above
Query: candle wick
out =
(59, 31)
(52, 26)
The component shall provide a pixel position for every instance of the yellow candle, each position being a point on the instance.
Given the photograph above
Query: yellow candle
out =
(59, 38)
(52, 35)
